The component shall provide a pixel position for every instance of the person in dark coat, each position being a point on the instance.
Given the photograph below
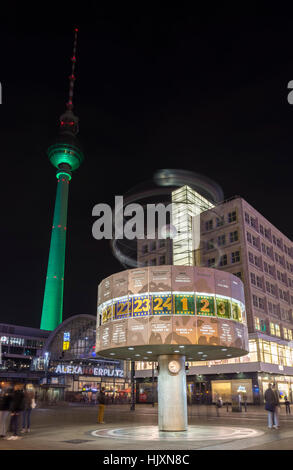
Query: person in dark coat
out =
(287, 404)
(277, 407)
(29, 402)
(5, 400)
(16, 407)
(270, 405)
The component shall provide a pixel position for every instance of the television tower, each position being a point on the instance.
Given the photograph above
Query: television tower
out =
(66, 155)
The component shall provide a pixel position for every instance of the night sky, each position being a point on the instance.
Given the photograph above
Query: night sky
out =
(159, 88)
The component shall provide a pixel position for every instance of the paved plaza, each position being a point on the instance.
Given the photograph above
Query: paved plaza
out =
(74, 427)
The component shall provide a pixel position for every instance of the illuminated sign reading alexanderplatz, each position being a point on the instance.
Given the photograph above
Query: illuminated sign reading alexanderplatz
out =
(145, 312)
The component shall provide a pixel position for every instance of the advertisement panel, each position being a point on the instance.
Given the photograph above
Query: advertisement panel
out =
(120, 284)
(207, 331)
(236, 288)
(182, 278)
(138, 281)
(119, 333)
(222, 283)
(105, 336)
(204, 280)
(184, 304)
(241, 340)
(160, 278)
(184, 330)
(226, 333)
(137, 331)
(106, 289)
(160, 330)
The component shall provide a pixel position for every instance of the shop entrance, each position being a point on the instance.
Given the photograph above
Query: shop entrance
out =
(198, 393)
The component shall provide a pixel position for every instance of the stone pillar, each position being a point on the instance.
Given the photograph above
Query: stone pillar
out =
(172, 397)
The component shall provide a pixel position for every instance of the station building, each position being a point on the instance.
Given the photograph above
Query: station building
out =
(62, 365)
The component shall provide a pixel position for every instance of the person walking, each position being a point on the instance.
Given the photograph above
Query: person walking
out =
(29, 404)
(277, 407)
(219, 404)
(287, 404)
(270, 405)
(102, 401)
(16, 407)
(5, 400)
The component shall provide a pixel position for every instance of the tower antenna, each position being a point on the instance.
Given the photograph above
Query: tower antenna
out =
(69, 105)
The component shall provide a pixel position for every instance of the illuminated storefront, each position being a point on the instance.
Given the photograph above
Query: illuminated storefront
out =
(267, 362)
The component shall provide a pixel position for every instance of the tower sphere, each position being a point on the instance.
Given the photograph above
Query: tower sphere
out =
(66, 151)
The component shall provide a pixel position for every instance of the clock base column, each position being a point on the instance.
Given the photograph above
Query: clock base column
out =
(172, 397)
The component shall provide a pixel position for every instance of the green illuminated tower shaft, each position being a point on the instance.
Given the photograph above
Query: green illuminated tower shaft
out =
(53, 297)
(66, 155)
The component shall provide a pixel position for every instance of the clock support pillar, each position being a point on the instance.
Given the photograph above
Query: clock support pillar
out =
(172, 397)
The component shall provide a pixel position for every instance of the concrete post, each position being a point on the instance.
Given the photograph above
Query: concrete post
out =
(172, 397)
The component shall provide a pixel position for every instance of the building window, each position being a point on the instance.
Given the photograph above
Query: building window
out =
(272, 328)
(233, 236)
(261, 303)
(162, 243)
(247, 219)
(261, 229)
(235, 257)
(144, 249)
(256, 323)
(277, 330)
(223, 260)
(211, 262)
(153, 262)
(232, 217)
(267, 234)
(254, 300)
(220, 221)
(153, 245)
(254, 242)
(210, 244)
(253, 222)
(252, 278)
(162, 260)
(259, 282)
(248, 236)
(221, 240)
(209, 225)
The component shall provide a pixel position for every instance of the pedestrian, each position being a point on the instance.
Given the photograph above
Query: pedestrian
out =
(270, 405)
(287, 404)
(29, 404)
(277, 407)
(219, 404)
(16, 407)
(245, 402)
(5, 400)
(102, 401)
